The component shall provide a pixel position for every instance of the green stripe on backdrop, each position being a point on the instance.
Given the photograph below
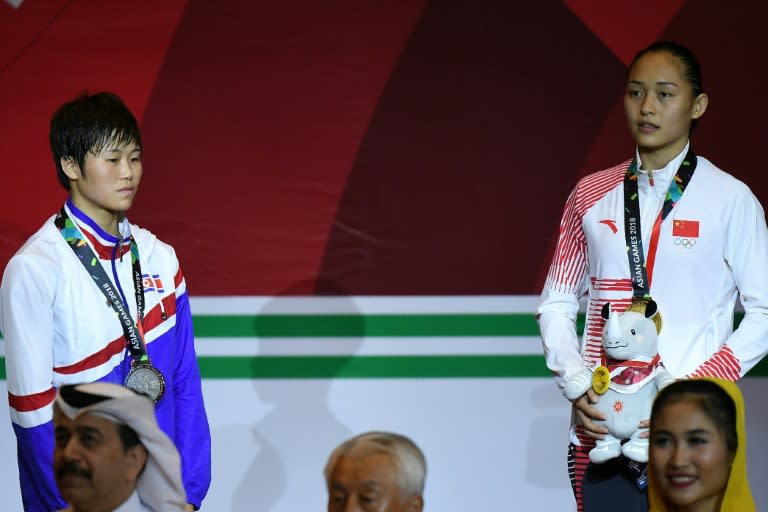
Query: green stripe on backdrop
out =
(323, 367)
(401, 366)
(338, 326)
(372, 325)
(359, 325)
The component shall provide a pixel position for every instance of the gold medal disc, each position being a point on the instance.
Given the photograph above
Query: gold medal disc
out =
(601, 380)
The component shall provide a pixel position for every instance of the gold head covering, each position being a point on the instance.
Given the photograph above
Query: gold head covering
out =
(738, 495)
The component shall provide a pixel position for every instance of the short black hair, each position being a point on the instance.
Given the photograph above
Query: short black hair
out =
(713, 401)
(88, 124)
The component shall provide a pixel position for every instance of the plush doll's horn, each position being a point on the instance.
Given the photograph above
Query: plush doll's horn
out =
(614, 326)
(650, 309)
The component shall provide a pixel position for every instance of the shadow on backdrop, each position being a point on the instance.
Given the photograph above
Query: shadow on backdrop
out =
(299, 431)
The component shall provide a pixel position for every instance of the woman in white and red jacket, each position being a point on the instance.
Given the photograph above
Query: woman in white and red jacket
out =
(667, 225)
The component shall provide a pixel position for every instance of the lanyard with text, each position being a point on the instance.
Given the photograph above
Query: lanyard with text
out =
(640, 272)
(133, 336)
(143, 377)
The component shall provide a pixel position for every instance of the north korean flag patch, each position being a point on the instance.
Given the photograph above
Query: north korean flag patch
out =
(152, 283)
(685, 228)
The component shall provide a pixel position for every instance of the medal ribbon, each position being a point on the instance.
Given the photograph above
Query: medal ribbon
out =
(133, 331)
(631, 371)
(640, 272)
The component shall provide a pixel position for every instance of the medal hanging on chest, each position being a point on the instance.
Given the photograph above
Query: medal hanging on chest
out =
(146, 379)
(641, 272)
(143, 377)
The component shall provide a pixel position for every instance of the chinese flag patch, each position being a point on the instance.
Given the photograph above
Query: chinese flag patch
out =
(686, 228)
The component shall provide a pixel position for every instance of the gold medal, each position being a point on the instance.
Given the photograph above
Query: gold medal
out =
(641, 305)
(601, 379)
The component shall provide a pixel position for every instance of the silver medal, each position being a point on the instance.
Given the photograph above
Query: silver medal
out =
(146, 379)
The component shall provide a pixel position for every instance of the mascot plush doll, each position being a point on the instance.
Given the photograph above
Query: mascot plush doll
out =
(628, 380)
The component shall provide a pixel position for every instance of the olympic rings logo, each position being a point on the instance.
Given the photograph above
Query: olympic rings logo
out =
(685, 243)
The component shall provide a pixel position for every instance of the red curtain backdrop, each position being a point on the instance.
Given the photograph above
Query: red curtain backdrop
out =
(401, 147)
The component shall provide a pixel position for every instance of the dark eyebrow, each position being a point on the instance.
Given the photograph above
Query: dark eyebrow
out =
(692, 432)
(120, 150)
(85, 429)
(661, 83)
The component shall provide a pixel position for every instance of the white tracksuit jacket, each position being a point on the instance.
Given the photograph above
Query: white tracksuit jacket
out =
(696, 279)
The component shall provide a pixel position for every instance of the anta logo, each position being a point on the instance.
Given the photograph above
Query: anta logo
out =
(611, 224)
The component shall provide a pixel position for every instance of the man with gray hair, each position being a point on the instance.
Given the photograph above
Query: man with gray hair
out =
(376, 472)
(110, 455)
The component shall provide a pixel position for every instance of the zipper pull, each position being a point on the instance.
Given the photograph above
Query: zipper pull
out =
(650, 176)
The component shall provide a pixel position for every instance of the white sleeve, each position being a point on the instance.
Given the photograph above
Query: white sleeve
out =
(557, 323)
(747, 255)
(566, 283)
(26, 320)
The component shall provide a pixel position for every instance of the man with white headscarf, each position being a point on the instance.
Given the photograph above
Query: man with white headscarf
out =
(110, 454)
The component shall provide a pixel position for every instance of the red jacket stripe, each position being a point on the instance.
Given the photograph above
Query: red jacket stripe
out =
(151, 320)
(723, 364)
(570, 264)
(26, 403)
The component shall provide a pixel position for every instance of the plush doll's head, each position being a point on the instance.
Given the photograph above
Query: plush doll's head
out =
(632, 333)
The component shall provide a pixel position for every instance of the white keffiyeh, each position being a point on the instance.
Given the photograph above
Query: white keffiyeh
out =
(159, 487)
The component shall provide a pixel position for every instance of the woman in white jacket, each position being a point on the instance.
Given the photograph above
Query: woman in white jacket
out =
(667, 225)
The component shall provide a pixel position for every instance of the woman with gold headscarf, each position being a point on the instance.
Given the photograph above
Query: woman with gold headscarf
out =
(697, 455)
